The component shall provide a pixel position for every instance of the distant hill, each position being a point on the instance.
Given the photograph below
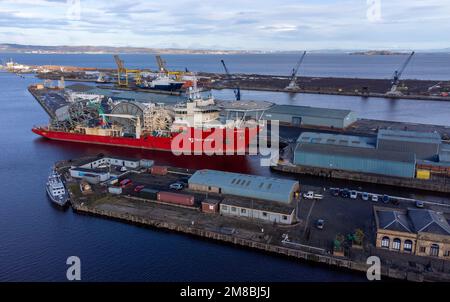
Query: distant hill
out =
(17, 48)
(378, 53)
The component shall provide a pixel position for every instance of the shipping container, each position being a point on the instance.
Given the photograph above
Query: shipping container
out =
(423, 174)
(148, 193)
(158, 170)
(176, 198)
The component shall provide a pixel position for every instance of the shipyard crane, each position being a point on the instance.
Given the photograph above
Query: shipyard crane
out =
(237, 90)
(293, 82)
(396, 77)
(161, 64)
(121, 70)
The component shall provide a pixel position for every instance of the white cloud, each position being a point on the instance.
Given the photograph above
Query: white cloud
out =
(232, 24)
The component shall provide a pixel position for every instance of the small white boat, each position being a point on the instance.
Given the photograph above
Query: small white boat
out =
(56, 190)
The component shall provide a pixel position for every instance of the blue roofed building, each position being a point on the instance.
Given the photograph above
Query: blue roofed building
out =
(244, 185)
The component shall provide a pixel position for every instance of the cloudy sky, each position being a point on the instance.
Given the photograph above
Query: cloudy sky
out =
(229, 24)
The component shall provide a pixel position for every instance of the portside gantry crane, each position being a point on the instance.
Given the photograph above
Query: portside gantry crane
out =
(237, 90)
(293, 81)
(394, 91)
(121, 70)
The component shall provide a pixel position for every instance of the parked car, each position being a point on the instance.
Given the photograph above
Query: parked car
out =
(312, 195)
(374, 197)
(365, 196)
(419, 204)
(176, 186)
(334, 191)
(139, 188)
(345, 193)
(353, 194)
(125, 183)
(385, 198)
(320, 223)
(395, 201)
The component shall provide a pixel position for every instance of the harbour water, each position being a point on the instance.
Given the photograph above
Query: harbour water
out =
(37, 238)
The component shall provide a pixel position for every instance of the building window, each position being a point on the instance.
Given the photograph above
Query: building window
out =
(243, 211)
(396, 244)
(434, 250)
(264, 214)
(224, 207)
(284, 217)
(422, 249)
(233, 209)
(447, 253)
(385, 242)
(407, 246)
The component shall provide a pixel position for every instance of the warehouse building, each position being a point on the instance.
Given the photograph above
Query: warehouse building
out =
(364, 160)
(251, 186)
(424, 144)
(311, 116)
(257, 209)
(131, 163)
(92, 176)
(444, 153)
(337, 139)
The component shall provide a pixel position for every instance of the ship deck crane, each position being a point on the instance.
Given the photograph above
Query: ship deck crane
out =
(237, 90)
(121, 70)
(293, 82)
(396, 77)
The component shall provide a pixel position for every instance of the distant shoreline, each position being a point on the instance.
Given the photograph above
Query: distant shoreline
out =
(93, 50)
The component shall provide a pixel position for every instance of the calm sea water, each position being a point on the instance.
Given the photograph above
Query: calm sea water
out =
(36, 238)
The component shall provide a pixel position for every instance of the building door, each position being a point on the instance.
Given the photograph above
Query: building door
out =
(296, 121)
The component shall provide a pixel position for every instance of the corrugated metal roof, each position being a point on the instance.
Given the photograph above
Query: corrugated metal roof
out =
(407, 157)
(252, 186)
(309, 111)
(337, 139)
(409, 136)
(444, 153)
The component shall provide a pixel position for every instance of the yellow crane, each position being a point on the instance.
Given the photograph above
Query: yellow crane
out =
(121, 70)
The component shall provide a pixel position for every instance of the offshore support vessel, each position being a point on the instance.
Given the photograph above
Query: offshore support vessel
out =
(196, 126)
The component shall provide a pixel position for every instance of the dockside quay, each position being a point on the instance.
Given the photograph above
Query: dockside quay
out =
(271, 214)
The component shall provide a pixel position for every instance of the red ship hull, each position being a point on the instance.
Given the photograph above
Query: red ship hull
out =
(191, 141)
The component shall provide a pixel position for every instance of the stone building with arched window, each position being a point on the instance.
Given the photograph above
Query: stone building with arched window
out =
(419, 232)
